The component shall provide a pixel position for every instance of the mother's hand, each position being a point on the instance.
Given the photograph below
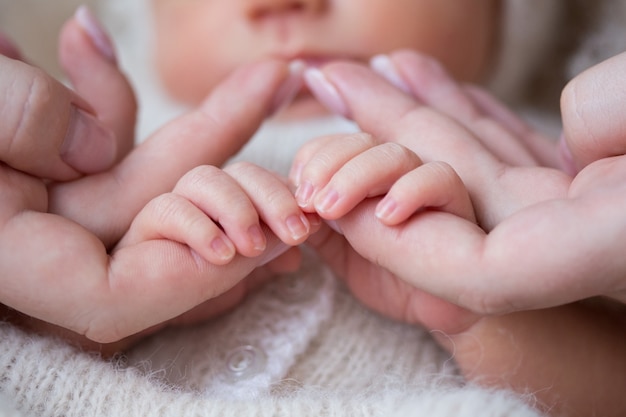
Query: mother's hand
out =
(540, 241)
(56, 204)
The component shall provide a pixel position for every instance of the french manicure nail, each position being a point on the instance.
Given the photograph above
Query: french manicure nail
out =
(383, 66)
(567, 160)
(290, 87)
(325, 92)
(93, 28)
(8, 48)
(88, 147)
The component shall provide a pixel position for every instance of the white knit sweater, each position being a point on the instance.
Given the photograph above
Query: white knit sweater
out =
(301, 346)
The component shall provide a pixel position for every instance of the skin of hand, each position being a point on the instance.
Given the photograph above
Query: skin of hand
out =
(523, 209)
(593, 115)
(78, 219)
(571, 356)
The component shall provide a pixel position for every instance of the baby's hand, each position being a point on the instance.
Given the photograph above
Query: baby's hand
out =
(218, 213)
(333, 174)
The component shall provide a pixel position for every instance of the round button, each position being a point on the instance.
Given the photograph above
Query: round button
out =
(245, 361)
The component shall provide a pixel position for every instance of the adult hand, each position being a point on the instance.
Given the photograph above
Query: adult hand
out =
(540, 241)
(40, 179)
(594, 118)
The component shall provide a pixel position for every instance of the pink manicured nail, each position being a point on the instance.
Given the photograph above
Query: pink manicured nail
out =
(8, 48)
(383, 66)
(567, 160)
(93, 28)
(89, 146)
(325, 92)
(290, 87)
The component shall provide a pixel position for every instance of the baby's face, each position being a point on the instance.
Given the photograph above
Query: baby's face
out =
(200, 41)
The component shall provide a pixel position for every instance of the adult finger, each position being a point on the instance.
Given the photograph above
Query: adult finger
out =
(594, 119)
(454, 259)
(8, 48)
(107, 298)
(88, 59)
(47, 130)
(206, 136)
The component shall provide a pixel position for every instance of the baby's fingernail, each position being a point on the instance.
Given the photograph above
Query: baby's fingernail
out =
(327, 201)
(257, 238)
(303, 194)
(385, 208)
(384, 66)
(223, 248)
(89, 147)
(325, 91)
(290, 87)
(295, 173)
(298, 226)
(93, 28)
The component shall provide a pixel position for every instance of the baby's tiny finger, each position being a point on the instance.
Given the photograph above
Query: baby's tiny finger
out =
(273, 201)
(434, 185)
(219, 196)
(173, 217)
(368, 174)
(329, 159)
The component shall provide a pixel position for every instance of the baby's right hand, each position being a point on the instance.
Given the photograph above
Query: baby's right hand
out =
(334, 174)
(218, 213)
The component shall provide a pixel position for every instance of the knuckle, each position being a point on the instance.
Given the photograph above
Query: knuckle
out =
(34, 92)
(165, 207)
(197, 177)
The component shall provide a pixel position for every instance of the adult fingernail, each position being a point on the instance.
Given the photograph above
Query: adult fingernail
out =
(89, 147)
(325, 91)
(94, 30)
(290, 87)
(567, 160)
(384, 66)
(8, 48)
